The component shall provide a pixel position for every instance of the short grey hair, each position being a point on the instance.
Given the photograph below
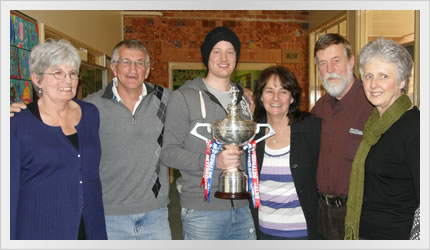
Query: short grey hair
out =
(130, 44)
(52, 53)
(391, 52)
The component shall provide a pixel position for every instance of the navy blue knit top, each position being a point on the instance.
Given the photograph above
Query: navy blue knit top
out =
(52, 182)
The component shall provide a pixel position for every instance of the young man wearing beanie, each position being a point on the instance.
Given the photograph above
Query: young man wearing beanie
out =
(205, 100)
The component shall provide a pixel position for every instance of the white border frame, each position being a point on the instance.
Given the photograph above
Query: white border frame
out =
(6, 6)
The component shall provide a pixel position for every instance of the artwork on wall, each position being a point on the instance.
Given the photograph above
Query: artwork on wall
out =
(244, 80)
(33, 34)
(248, 75)
(21, 91)
(13, 90)
(24, 35)
(14, 63)
(27, 91)
(180, 76)
(12, 31)
(24, 70)
(21, 33)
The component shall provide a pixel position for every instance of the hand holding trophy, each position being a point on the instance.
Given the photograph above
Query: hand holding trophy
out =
(233, 130)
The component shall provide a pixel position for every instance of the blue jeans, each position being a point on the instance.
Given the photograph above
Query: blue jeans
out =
(152, 225)
(233, 224)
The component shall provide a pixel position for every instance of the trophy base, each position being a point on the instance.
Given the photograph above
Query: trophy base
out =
(233, 196)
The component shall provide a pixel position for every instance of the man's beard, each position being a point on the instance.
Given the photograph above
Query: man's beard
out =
(336, 89)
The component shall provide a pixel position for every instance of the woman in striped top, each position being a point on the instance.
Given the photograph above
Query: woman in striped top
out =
(287, 161)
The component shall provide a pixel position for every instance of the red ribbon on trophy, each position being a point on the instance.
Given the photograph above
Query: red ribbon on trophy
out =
(252, 167)
(212, 148)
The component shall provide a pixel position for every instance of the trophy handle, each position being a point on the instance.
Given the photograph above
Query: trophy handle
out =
(271, 131)
(198, 125)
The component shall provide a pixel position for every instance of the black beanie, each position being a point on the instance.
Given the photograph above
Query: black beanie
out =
(220, 33)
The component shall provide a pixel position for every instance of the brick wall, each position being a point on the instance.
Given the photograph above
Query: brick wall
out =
(265, 35)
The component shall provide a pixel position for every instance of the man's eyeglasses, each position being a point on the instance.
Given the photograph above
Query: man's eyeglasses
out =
(127, 63)
(60, 75)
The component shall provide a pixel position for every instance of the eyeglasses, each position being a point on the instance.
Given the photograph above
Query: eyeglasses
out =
(127, 63)
(60, 75)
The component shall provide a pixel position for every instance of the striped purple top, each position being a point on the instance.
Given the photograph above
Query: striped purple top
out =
(281, 213)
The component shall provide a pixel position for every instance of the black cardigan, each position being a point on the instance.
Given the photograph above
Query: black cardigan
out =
(304, 151)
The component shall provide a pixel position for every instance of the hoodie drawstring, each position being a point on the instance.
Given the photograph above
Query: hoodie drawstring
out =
(202, 105)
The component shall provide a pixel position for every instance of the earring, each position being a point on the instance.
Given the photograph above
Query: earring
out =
(39, 91)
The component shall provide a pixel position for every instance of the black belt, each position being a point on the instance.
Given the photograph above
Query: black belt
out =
(332, 200)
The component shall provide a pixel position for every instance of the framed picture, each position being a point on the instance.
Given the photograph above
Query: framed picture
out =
(21, 33)
(24, 68)
(14, 63)
(292, 56)
(180, 72)
(23, 37)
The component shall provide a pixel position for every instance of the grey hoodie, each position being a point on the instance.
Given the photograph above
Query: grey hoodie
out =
(185, 152)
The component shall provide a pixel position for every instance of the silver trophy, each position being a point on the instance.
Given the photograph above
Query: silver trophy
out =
(233, 130)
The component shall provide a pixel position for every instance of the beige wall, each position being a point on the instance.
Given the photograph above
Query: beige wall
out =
(318, 17)
(99, 29)
(390, 23)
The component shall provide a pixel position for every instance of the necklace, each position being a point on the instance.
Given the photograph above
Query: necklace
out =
(281, 132)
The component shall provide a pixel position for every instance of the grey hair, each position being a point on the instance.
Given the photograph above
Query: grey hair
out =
(391, 52)
(130, 44)
(52, 53)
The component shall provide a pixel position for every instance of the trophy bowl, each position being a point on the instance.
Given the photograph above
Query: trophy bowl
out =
(237, 133)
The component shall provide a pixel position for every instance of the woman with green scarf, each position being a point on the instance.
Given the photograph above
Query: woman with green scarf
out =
(384, 188)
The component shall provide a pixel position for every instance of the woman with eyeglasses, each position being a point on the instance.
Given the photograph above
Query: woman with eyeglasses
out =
(55, 190)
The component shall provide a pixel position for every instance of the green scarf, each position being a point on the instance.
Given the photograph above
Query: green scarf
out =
(373, 129)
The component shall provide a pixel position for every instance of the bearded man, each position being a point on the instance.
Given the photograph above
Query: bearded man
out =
(344, 110)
